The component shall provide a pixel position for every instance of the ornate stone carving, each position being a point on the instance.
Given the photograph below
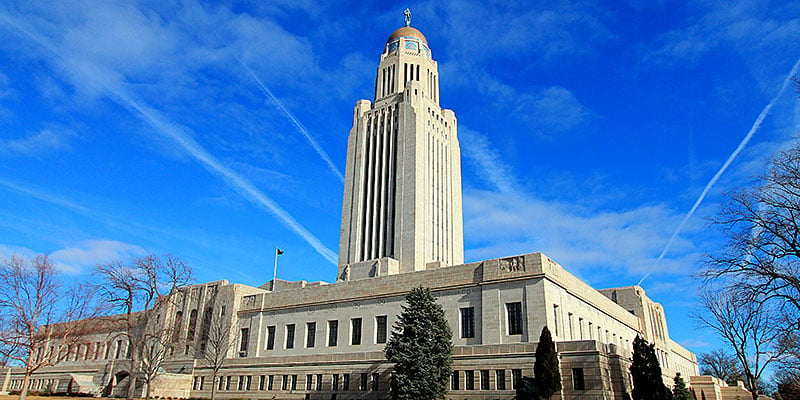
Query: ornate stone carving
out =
(249, 301)
(512, 264)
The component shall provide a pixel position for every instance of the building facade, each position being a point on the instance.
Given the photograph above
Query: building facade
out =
(401, 229)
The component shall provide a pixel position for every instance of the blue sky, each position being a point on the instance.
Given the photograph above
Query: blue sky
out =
(218, 131)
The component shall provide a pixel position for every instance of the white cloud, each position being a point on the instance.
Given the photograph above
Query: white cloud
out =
(552, 110)
(45, 141)
(75, 259)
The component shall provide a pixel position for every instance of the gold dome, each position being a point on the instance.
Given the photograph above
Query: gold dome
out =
(407, 31)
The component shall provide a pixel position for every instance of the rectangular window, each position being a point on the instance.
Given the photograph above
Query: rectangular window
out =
(285, 383)
(454, 381)
(221, 383)
(270, 337)
(319, 381)
(294, 382)
(569, 321)
(591, 332)
(241, 383)
(335, 382)
(577, 379)
(309, 382)
(270, 382)
(375, 381)
(333, 333)
(468, 322)
(381, 329)
(469, 380)
(500, 379)
(311, 334)
(345, 381)
(245, 338)
(514, 318)
(363, 384)
(516, 376)
(248, 385)
(356, 326)
(202, 382)
(290, 336)
(580, 328)
(228, 382)
(555, 319)
(117, 354)
(262, 380)
(484, 380)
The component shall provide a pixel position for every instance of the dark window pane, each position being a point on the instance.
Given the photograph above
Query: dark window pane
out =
(333, 333)
(380, 322)
(290, 336)
(356, 331)
(270, 337)
(311, 334)
(514, 318)
(577, 379)
(468, 322)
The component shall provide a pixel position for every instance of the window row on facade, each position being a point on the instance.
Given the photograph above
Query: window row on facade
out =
(310, 339)
(291, 382)
(112, 350)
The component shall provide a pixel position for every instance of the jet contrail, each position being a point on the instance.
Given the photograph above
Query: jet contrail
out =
(198, 152)
(212, 164)
(296, 123)
(715, 178)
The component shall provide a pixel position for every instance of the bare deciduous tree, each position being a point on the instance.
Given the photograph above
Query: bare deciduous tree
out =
(762, 225)
(744, 324)
(221, 339)
(36, 310)
(762, 255)
(721, 365)
(142, 290)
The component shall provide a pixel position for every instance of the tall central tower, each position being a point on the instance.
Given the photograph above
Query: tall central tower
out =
(402, 194)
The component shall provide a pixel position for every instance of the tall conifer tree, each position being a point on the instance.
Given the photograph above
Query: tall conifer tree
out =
(646, 373)
(421, 349)
(546, 375)
(679, 390)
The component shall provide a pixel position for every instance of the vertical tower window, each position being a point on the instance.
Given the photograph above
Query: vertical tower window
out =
(192, 325)
(514, 318)
(454, 381)
(577, 379)
(356, 335)
(333, 333)
(245, 338)
(290, 336)
(468, 322)
(381, 329)
(270, 337)
(311, 334)
(555, 318)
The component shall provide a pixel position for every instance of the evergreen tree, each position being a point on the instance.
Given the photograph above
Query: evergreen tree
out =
(680, 391)
(421, 349)
(646, 373)
(546, 375)
(526, 389)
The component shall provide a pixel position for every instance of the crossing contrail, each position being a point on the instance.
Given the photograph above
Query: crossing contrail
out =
(300, 127)
(167, 128)
(715, 178)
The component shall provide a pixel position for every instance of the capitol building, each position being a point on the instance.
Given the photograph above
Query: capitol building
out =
(401, 228)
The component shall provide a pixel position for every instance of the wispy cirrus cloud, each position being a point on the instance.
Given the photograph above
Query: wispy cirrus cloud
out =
(105, 80)
(75, 259)
(43, 142)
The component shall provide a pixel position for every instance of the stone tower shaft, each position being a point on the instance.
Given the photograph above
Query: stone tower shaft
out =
(402, 196)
